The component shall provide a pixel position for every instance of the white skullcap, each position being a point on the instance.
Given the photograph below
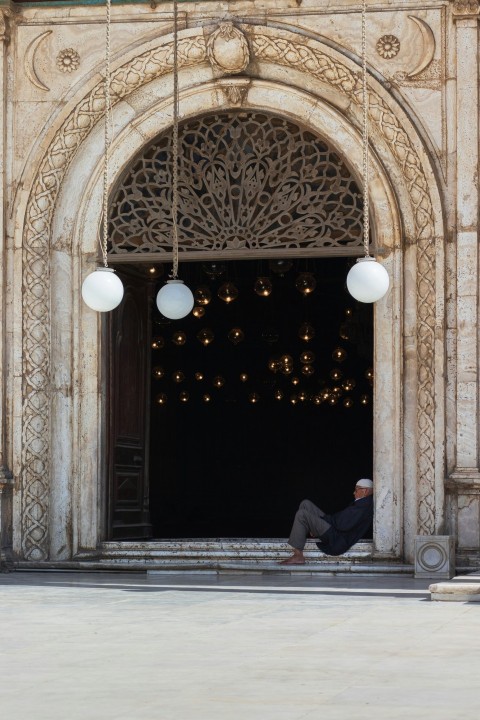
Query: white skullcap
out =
(364, 483)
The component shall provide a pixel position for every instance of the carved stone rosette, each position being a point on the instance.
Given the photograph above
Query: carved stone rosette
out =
(39, 214)
(388, 46)
(68, 60)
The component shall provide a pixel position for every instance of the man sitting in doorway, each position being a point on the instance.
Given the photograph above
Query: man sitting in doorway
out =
(337, 532)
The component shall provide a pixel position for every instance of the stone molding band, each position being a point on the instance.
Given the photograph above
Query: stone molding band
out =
(466, 9)
(40, 210)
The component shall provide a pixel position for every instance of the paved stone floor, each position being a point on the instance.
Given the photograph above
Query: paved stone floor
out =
(85, 646)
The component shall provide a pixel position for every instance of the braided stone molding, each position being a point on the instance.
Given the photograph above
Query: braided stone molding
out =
(36, 274)
(324, 68)
(463, 9)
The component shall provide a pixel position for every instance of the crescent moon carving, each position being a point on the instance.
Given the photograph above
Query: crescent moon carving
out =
(428, 46)
(29, 61)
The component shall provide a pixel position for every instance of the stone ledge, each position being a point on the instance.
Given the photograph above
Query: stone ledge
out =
(220, 549)
(223, 556)
(218, 568)
(455, 591)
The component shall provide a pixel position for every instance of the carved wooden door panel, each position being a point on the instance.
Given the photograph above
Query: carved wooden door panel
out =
(128, 403)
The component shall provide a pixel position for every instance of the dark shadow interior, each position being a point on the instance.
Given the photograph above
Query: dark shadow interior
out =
(231, 467)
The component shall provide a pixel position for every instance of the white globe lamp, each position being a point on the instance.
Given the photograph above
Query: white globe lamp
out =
(102, 290)
(175, 300)
(367, 280)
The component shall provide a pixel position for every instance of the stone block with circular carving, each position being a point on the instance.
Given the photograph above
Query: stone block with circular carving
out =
(434, 556)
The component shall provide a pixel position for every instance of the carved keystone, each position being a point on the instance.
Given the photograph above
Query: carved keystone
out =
(227, 49)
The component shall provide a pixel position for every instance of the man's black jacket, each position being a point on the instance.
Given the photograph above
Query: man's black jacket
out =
(348, 526)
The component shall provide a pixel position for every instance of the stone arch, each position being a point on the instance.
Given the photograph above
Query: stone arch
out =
(399, 161)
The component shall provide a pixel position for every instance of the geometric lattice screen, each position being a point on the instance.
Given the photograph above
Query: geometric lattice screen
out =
(247, 180)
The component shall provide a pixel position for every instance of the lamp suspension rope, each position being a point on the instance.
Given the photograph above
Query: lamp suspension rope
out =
(367, 280)
(107, 133)
(175, 144)
(175, 300)
(103, 290)
(366, 203)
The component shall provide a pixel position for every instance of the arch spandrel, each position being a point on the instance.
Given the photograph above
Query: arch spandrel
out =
(389, 125)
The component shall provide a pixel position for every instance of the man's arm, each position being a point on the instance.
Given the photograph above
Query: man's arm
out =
(349, 518)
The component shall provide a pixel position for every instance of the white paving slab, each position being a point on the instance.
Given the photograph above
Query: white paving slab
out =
(78, 646)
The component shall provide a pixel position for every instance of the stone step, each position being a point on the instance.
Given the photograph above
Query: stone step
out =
(236, 555)
(223, 556)
(224, 549)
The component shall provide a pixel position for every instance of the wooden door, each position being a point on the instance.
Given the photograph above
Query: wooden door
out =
(129, 409)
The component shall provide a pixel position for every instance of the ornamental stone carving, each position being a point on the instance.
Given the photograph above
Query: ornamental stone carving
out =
(428, 47)
(7, 14)
(227, 49)
(289, 206)
(235, 92)
(4, 31)
(466, 8)
(68, 60)
(29, 61)
(388, 46)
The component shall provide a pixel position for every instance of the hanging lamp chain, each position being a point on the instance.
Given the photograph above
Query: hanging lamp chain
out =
(366, 168)
(108, 107)
(107, 130)
(175, 144)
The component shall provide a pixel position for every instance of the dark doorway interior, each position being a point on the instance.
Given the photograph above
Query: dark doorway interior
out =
(231, 467)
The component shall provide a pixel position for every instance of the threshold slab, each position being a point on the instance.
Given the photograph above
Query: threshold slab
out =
(455, 591)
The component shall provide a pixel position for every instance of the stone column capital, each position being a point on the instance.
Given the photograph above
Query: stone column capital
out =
(465, 9)
(5, 12)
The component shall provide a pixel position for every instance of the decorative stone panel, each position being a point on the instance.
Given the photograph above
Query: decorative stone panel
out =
(289, 207)
(434, 556)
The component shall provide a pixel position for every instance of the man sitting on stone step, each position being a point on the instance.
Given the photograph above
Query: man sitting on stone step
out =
(336, 533)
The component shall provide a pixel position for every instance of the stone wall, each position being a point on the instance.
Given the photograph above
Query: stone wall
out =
(299, 59)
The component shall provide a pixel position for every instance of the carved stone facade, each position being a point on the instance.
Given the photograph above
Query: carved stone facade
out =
(424, 212)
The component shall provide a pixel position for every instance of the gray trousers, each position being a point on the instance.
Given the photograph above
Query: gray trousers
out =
(308, 521)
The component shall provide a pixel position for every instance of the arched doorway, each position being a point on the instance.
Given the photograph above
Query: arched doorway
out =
(236, 444)
(64, 456)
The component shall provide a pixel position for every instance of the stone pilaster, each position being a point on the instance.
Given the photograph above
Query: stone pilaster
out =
(5, 475)
(464, 482)
(3, 42)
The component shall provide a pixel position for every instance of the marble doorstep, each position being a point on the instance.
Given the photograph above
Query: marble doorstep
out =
(239, 555)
